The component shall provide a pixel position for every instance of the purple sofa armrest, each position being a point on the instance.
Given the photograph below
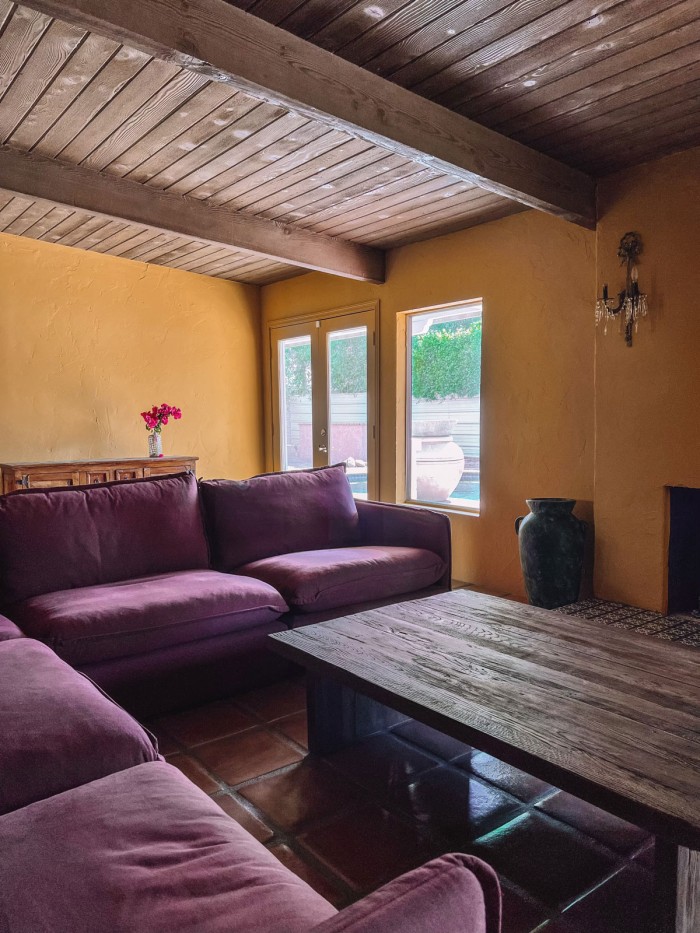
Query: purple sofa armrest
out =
(407, 526)
(452, 894)
(8, 629)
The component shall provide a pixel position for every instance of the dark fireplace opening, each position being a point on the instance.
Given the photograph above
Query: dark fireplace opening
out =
(684, 550)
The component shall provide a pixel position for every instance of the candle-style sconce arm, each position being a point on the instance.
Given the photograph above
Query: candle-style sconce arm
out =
(630, 302)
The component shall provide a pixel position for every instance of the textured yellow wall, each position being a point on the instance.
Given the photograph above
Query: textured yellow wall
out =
(647, 396)
(536, 277)
(88, 341)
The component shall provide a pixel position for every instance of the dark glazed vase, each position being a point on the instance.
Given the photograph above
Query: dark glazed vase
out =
(551, 541)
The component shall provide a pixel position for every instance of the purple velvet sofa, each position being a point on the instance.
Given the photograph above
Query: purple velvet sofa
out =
(99, 833)
(164, 590)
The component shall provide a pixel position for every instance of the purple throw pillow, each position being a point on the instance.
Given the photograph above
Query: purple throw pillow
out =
(278, 513)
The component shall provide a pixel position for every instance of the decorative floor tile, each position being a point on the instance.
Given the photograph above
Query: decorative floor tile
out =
(516, 782)
(661, 629)
(248, 820)
(612, 832)
(244, 756)
(367, 847)
(308, 792)
(553, 863)
(683, 627)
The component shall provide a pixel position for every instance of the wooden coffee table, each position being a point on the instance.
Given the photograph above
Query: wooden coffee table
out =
(602, 713)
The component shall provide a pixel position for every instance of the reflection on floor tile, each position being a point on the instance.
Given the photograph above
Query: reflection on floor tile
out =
(504, 776)
(615, 833)
(367, 847)
(311, 875)
(455, 804)
(382, 762)
(245, 817)
(350, 823)
(622, 904)
(431, 740)
(308, 791)
(550, 862)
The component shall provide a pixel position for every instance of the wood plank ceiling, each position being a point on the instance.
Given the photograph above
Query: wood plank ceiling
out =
(74, 96)
(598, 84)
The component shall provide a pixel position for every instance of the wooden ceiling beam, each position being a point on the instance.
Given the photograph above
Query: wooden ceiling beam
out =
(226, 44)
(72, 186)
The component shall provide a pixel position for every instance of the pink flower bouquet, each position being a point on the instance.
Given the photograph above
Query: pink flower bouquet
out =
(155, 419)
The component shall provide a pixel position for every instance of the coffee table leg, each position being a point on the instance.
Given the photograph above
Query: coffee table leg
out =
(677, 888)
(338, 716)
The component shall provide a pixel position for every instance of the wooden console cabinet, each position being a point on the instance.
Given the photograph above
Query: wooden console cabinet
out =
(86, 472)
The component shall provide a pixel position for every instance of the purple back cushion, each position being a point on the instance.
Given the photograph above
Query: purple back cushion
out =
(278, 513)
(59, 539)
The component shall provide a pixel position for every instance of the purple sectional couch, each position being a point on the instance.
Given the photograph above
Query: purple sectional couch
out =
(98, 833)
(164, 590)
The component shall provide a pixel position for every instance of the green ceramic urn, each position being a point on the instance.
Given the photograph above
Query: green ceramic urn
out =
(550, 541)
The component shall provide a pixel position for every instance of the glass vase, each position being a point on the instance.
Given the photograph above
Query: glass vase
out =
(155, 445)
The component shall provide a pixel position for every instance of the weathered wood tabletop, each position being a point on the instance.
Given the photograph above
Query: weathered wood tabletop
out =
(605, 714)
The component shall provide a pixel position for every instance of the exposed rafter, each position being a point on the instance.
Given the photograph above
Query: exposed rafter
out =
(119, 199)
(224, 43)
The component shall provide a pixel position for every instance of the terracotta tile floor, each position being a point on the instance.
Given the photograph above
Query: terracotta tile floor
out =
(350, 822)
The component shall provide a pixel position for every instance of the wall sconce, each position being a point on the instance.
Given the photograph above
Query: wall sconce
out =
(631, 303)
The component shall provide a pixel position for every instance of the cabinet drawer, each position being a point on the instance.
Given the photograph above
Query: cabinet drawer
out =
(50, 478)
(129, 473)
(164, 469)
(97, 476)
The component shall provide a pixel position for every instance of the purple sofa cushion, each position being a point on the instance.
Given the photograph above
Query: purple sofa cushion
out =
(116, 620)
(57, 539)
(278, 513)
(8, 629)
(58, 729)
(315, 580)
(145, 850)
(452, 894)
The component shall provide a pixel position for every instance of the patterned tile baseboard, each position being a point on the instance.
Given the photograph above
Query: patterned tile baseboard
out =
(683, 628)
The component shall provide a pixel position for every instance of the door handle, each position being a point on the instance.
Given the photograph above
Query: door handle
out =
(322, 449)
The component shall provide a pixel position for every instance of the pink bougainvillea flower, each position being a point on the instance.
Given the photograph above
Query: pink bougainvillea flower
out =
(158, 416)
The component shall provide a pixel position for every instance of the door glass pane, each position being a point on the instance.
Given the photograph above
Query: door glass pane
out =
(444, 408)
(295, 403)
(347, 404)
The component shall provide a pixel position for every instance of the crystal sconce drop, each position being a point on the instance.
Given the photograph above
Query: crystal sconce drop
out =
(631, 303)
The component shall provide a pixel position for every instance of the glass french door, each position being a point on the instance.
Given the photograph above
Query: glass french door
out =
(324, 396)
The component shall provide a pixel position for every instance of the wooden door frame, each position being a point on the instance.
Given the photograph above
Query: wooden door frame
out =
(272, 460)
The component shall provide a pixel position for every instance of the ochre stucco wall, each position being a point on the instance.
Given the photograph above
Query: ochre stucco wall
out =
(647, 396)
(536, 277)
(89, 341)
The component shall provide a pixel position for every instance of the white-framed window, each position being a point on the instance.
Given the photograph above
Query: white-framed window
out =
(443, 395)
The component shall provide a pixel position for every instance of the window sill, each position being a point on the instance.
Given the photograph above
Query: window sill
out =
(449, 508)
